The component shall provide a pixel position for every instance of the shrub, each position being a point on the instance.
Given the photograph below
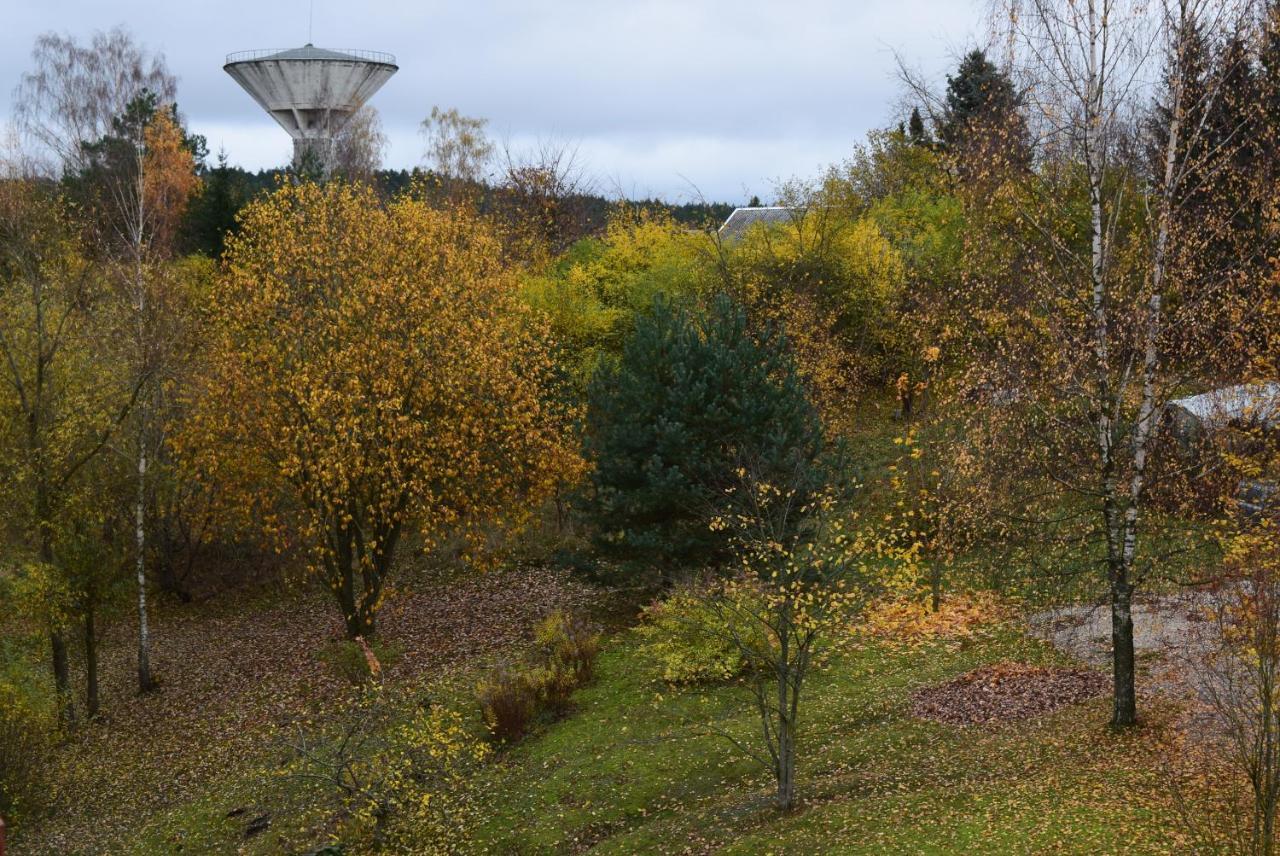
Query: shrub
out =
(508, 700)
(690, 636)
(432, 787)
(397, 783)
(561, 660)
(567, 639)
(553, 684)
(25, 735)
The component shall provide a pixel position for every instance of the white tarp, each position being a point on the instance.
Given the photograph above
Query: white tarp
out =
(1249, 403)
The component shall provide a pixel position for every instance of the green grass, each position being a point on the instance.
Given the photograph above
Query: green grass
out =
(638, 770)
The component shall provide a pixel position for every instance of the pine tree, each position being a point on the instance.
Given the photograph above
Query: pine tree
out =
(916, 131)
(693, 399)
(212, 216)
(981, 121)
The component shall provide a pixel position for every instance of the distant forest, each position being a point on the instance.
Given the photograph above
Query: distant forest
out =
(227, 189)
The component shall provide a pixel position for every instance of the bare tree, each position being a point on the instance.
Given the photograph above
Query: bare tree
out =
(359, 147)
(1235, 668)
(74, 92)
(456, 146)
(543, 194)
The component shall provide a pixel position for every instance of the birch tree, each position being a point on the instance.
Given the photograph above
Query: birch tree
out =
(104, 112)
(139, 179)
(1097, 325)
(60, 404)
(74, 92)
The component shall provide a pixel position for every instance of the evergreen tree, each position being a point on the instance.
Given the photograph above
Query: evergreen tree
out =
(1221, 241)
(111, 162)
(693, 399)
(917, 133)
(981, 120)
(212, 215)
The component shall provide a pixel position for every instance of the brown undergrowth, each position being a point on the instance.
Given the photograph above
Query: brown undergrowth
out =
(233, 677)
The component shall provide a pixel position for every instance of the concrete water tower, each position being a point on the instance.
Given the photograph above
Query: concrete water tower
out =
(311, 91)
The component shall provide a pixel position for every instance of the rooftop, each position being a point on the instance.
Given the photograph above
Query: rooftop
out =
(1257, 403)
(743, 219)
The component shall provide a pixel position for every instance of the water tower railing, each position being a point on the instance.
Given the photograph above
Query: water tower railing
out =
(355, 53)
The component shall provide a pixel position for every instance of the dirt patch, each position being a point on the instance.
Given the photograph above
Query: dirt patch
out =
(1005, 692)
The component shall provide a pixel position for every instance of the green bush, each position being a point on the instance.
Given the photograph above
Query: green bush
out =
(26, 733)
(567, 640)
(693, 635)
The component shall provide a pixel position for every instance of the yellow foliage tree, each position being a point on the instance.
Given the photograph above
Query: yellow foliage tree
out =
(371, 372)
(593, 294)
(169, 179)
(833, 282)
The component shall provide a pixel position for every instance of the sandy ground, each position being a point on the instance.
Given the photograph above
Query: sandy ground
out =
(1164, 628)
(1172, 636)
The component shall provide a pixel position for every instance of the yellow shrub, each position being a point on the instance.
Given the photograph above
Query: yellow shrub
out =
(693, 636)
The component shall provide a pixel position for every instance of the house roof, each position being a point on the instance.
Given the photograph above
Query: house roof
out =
(1257, 403)
(743, 219)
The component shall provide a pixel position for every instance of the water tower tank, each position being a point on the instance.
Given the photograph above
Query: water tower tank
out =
(311, 91)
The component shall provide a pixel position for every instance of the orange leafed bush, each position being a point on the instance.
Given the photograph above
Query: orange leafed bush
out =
(911, 621)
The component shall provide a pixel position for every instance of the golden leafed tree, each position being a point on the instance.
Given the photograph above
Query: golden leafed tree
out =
(169, 179)
(372, 373)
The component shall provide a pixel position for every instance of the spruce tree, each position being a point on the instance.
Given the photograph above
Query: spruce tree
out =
(694, 398)
(916, 131)
(981, 120)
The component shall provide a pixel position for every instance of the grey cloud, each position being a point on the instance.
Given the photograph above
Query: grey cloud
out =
(726, 94)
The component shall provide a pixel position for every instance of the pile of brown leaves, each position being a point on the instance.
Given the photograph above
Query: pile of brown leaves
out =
(1003, 692)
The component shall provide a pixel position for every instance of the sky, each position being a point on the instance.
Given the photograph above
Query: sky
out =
(714, 99)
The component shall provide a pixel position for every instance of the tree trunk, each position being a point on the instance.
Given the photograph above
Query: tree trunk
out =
(357, 615)
(786, 766)
(90, 663)
(786, 756)
(57, 644)
(62, 677)
(146, 682)
(1124, 708)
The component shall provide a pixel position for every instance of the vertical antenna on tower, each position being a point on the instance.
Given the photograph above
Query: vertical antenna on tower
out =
(311, 17)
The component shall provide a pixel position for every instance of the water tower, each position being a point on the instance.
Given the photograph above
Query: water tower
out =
(311, 91)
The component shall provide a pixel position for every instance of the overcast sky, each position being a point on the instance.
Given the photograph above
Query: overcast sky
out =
(660, 97)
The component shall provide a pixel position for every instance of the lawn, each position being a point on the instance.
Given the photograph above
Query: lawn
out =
(639, 767)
